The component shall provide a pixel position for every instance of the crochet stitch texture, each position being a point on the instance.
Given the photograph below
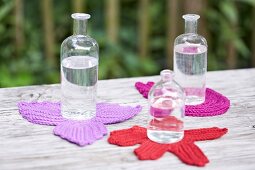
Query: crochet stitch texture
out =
(79, 132)
(185, 149)
(215, 103)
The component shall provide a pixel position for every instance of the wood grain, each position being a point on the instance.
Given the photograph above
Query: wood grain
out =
(27, 146)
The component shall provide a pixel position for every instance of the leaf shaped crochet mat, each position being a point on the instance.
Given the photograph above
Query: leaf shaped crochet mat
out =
(185, 149)
(78, 132)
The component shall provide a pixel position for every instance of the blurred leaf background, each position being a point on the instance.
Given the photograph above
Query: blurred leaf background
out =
(135, 36)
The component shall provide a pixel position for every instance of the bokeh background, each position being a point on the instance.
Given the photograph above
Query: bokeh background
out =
(135, 36)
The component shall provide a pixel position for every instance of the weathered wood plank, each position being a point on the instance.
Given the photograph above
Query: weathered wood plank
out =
(27, 146)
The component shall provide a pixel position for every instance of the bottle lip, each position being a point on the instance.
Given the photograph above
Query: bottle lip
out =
(191, 17)
(80, 16)
(166, 75)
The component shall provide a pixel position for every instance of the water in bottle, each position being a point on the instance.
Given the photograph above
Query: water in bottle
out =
(166, 101)
(190, 61)
(79, 72)
(79, 81)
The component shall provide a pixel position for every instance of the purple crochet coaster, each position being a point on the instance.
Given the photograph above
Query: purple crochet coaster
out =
(215, 103)
(78, 132)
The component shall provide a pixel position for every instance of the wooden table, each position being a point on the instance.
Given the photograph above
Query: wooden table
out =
(28, 146)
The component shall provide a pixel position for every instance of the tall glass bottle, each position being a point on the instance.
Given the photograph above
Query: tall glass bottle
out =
(166, 101)
(190, 61)
(79, 72)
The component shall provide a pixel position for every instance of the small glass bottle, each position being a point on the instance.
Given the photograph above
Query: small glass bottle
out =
(190, 61)
(166, 101)
(79, 72)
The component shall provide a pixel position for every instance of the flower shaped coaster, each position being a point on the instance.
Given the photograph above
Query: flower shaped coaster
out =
(215, 103)
(185, 149)
(78, 132)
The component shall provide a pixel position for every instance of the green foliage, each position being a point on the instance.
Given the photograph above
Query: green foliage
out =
(118, 62)
(227, 21)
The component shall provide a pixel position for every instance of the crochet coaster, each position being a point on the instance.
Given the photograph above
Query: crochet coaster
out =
(215, 103)
(78, 132)
(185, 150)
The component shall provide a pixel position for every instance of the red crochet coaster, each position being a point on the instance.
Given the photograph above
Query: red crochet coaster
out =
(185, 149)
(215, 103)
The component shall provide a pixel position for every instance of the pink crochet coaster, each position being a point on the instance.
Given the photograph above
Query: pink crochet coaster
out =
(215, 103)
(78, 132)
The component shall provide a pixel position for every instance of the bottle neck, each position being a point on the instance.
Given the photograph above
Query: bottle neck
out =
(166, 75)
(80, 27)
(190, 27)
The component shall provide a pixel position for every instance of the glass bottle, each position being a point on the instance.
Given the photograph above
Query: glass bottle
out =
(190, 61)
(166, 101)
(79, 72)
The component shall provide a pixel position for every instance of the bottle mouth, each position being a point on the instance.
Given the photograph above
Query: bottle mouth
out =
(80, 16)
(191, 17)
(166, 75)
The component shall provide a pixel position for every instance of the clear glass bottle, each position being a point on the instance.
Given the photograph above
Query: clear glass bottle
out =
(79, 72)
(166, 101)
(190, 61)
